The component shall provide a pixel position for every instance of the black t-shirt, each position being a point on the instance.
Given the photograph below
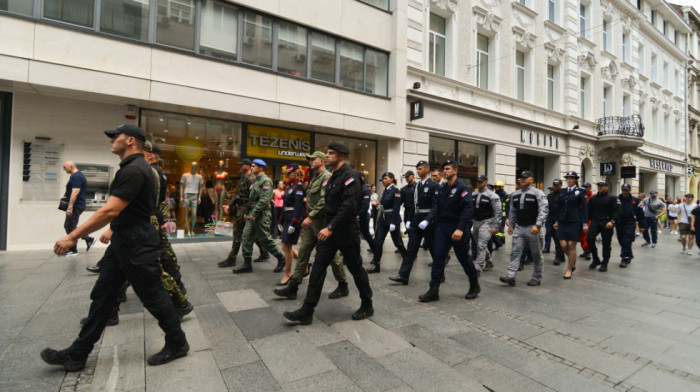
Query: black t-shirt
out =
(696, 214)
(135, 183)
(77, 180)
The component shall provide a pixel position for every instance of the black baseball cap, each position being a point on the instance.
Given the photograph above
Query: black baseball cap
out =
(482, 178)
(244, 162)
(156, 150)
(422, 163)
(556, 182)
(626, 187)
(339, 147)
(587, 185)
(409, 174)
(127, 129)
(527, 174)
(602, 183)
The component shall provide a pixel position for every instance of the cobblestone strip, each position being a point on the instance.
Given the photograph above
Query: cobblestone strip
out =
(82, 381)
(590, 373)
(637, 289)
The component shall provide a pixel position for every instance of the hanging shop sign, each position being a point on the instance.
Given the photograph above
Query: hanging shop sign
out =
(628, 171)
(416, 109)
(539, 139)
(277, 143)
(607, 169)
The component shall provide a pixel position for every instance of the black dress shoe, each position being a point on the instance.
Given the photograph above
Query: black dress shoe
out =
(301, 316)
(557, 262)
(505, 279)
(363, 312)
(94, 269)
(280, 283)
(61, 358)
(399, 279)
(111, 321)
(89, 242)
(603, 267)
(167, 355)
(594, 264)
(533, 282)
(545, 250)
(374, 269)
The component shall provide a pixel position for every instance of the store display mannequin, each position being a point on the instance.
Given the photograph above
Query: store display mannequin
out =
(220, 188)
(190, 196)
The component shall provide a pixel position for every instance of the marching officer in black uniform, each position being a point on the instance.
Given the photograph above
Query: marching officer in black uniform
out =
(630, 213)
(420, 226)
(363, 212)
(453, 220)
(407, 197)
(602, 210)
(389, 221)
(343, 191)
(553, 202)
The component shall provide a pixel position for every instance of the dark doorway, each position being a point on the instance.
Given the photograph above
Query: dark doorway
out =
(532, 163)
(5, 122)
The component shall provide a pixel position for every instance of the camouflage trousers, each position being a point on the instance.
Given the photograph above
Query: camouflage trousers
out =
(238, 226)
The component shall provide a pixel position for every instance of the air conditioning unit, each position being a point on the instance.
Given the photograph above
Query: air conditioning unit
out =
(300, 57)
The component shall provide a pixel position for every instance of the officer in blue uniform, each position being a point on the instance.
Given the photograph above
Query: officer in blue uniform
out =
(453, 220)
(572, 219)
(363, 212)
(389, 221)
(630, 213)
(420, 226)
(293, 210)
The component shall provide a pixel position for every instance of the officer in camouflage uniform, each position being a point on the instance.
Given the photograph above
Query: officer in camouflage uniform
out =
(314, 222)
(257, 225)
(239, 206)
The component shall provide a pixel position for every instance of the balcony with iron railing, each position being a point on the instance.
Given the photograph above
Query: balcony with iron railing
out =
(621, 131)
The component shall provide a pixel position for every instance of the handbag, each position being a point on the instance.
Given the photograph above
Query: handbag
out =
(63, 204)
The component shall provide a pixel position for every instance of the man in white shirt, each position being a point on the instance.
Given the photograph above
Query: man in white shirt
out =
(684, 217)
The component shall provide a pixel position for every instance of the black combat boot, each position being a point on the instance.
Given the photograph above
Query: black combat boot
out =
(264, 256)
(365, 310)
(62, 358)
(168, 354)
(340, 291)
(289, 291)
(374, 268)
(603, 266)
(586, 255)
(246, 267)
(624, 263)
(229, 262)
(433, 294)
(184, 309)
(594, 264)
(303, 315)
(280, 264)
(474, 289)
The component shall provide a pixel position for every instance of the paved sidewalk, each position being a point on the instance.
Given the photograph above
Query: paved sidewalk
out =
(633, 329)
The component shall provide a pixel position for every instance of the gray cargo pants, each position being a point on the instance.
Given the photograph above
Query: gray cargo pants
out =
(521, 236)
(481, 232)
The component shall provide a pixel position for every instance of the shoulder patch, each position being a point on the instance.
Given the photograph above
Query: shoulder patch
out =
(465, 192)
(300, 192)
(251, 186)
(325, 182)
(349, 181)
(266, 186)
(397, 195)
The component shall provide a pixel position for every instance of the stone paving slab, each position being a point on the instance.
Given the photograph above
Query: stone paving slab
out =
(238, 300)
(195, 372)
(250, 377)
(498, 378)
(650, 379)
(367, 373)
(329, 381)
(260, 323)
(121, 358)
(374, 340)
(436, 345)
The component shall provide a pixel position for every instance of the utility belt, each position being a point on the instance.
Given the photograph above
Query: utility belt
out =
(289, 208)
(526, 223)
(422, 210)
(602, 218)
(483, 217)
(627, 221)
(389, 210)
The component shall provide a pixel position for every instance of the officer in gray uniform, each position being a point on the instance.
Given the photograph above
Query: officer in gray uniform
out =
(528, 212)
(487, 218)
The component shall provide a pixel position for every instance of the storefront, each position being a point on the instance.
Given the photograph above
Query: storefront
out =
(471, 157)
(663, 175)
(216, 146)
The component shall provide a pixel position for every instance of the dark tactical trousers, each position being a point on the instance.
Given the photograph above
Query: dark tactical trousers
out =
(441, 246)
(308, 242)
(238, 227)
(598, 227)
(415, 238)
(133, 256)
(364, 229)
(380, 235)
(71, 223)
(345, 239)
(625, 236)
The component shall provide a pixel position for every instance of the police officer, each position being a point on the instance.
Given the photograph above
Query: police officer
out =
(312, 224)
(572, 220)
(419, 227)
(363, 214)
(584, 236)
(389, 221)
(629, 215)
(602, 211)
(487, 219)
(528, 212)
(128, 211)
(257, 225)
(293, 210)
(553, 202)
(341, 232)
(453, 219)
(239, 206)
(407, 197)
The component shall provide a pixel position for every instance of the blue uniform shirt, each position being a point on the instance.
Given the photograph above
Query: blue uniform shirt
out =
(391, 202)
(294, 198)
(454, 205)
(629, 209)
(573, 206)
(363, 206)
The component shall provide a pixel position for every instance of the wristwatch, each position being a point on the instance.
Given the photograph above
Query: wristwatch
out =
(330, 226)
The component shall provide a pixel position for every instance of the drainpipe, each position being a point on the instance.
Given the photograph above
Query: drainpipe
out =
(685, 119)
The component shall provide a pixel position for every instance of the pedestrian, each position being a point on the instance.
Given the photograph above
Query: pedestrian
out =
(584, 236)
(453, 220)
(420, 227)
(695, 224)
(653, 208)
(290, 220)
(553, 202)
(239, 206)
(602, 211)
(437, 177)
(257, 225)
(363, 216)
(341, 233)
(630, 213)
(684, 217)
(75, 194)
(572, 220)
(487, 219)
(389, 221)
(311, 226)
(128, 212)
(673, 215)
(528, 212)
(277, 206)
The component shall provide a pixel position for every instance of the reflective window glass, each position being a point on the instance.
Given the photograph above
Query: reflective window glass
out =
(383, 4)
(351, 65)
(363, 153)
(377, 69)
(125, 18)
(257, 40)
(322, 57)
(79, 12)
(176, 23)
(219, 30)
(22, 7)
(291, 49)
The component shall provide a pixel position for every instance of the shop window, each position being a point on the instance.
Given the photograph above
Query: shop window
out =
(219, 30)
(470, 157)
(383, 4)
(78, 12)
(376, 72)
(125, 18)
(437, 37)
(257, 40)
(22, 7)
(352, 58)
(322, 57)
(363, 153)
(176, 23)
(291, 49)
(205, 141)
